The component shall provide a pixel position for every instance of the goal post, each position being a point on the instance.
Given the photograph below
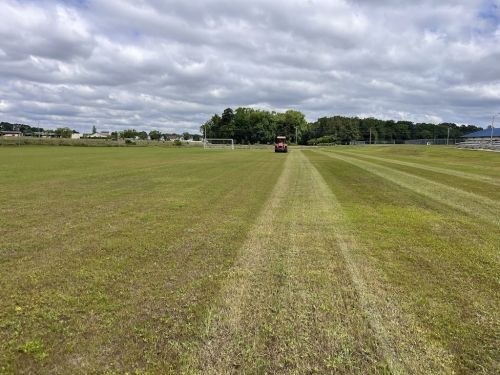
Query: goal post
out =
(218, 143)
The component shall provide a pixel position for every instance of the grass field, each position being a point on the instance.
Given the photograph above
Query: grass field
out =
(336, 260)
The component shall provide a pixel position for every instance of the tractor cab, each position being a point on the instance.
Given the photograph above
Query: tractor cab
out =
(280, 145)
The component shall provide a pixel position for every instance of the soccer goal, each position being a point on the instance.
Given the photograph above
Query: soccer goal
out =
(224, 143)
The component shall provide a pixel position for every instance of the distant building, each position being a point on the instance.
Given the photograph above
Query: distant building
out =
(98, 135)
(76, 136)
(483, 135)
(195, 142)
(10, 133)
(44, 134)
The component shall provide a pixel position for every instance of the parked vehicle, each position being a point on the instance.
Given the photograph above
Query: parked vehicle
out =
(280, 145)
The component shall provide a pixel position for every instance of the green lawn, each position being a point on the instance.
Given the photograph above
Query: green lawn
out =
(163, 260)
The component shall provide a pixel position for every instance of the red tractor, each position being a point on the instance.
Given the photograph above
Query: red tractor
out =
(280, 145)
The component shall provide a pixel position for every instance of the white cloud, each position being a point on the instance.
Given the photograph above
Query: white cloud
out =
(170, 65)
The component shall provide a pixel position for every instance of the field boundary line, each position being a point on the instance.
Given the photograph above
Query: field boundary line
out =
(399, 337)
(469, 203)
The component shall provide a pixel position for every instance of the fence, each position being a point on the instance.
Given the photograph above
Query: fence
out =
(432, 141)
(20, 141)
(480, 145)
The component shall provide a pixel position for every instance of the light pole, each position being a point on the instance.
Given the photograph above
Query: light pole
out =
(18, 135)
(492, 124)
(204, 135)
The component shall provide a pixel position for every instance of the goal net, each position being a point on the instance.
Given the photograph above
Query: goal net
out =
(226, 143)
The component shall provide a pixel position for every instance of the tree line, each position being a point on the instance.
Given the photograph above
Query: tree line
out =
(248, 125)
(343, 130)
(66, 132)
(28, 130)
(154, 135)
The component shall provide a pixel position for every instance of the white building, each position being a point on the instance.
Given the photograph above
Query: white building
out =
(9, 133)
(484, 135)
(99, 135)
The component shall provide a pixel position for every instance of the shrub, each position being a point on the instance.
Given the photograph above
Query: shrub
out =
(326, 139)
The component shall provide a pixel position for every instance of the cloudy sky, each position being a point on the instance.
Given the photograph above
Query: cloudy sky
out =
(169, 65)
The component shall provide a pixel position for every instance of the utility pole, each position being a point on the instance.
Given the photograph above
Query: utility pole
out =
(296, 137)
(492, 124)
(448, 137)
(370, 136)
(205, 136)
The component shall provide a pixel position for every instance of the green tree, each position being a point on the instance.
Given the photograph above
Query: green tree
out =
(348, 132)
(63, 132)
(94, 129)
(425, 134)
(212, 127)
(227, 124)
(240, 127)
(155, 135)
(248, 125)
(130, 133)
(262, 126)
(288, 122)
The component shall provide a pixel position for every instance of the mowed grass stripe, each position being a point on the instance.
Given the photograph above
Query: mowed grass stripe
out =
(290, 305)
(422, 164)
(105, 192)
(467, 202)
(399, 335)
(223, 329)
(438, 266)
(126, 288)
(482, 164)
(111, 266)
(469, 185)
(57, 216)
